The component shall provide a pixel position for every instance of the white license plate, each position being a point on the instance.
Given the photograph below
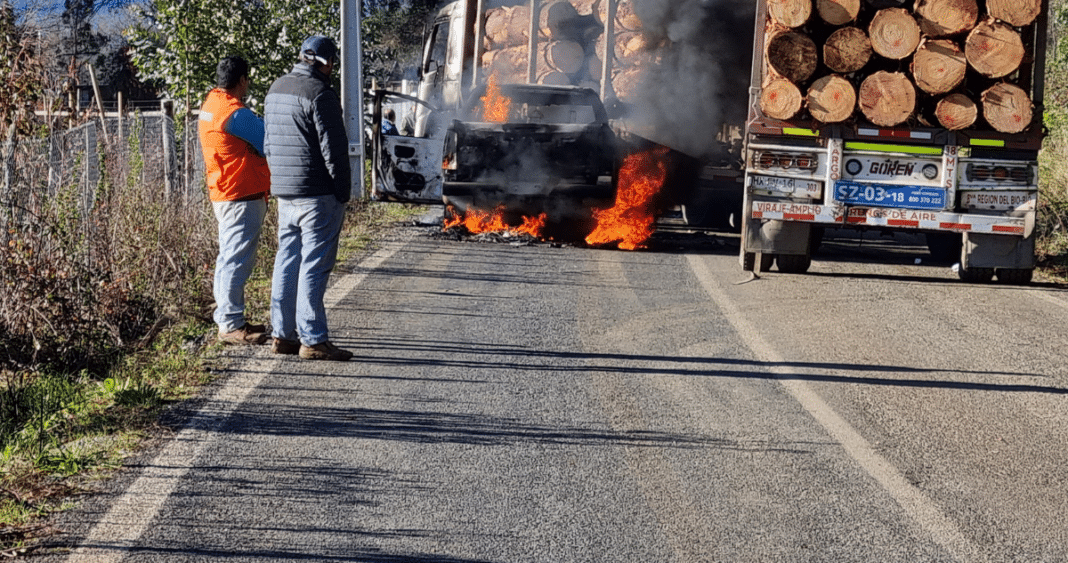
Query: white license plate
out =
(998, 200)
(795, 186)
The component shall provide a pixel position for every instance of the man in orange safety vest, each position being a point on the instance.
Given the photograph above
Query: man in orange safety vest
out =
(231, 137)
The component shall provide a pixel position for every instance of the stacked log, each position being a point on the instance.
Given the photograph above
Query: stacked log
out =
(838, 12)
(831, 99)
(994, 48)
(556, 59)
(958, 64)
(956, 112)
(571, 47)
(847, 50)
(938, 66)
(888, 62)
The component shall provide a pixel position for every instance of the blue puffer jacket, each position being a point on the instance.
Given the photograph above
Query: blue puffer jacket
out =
(305, 139)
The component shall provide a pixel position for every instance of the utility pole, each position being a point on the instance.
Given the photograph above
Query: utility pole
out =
(352, 89)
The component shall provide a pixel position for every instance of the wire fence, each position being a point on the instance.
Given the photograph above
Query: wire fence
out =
(77, 164)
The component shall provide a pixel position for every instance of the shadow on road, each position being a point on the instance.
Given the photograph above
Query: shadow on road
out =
(502, 357)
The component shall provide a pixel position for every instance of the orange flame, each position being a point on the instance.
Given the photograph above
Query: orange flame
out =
(495, 106)
(630, 221)
(476, 222)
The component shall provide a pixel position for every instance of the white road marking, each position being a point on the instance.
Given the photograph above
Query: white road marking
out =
(129, 517)
(912, 500)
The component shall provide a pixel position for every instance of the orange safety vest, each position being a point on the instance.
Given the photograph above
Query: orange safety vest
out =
(233, 170)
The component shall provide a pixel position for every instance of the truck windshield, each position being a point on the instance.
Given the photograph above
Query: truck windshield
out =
(533, 106)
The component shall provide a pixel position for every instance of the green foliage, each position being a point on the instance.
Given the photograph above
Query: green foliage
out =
(181, 41)
(1057, 57)
(392, 37)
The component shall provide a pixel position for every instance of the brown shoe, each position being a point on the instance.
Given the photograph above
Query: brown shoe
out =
(324, 351)
(245, 335)
(283, 346)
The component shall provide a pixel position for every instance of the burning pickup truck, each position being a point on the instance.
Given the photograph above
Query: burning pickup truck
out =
(531, 151)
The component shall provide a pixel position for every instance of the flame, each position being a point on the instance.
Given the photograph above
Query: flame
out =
(495, 106)
(630, 221)
(478, 221)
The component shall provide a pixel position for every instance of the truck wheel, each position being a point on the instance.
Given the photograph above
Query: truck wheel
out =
(793, 263)
(944, 247)
(976, 275)
(749, 261)
(1014, 276)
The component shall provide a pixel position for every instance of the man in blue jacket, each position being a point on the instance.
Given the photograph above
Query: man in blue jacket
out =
(307, 152)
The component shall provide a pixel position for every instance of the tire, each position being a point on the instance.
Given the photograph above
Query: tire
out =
(976, 275)
(944, 247)
(1015, 276)
(793, 263)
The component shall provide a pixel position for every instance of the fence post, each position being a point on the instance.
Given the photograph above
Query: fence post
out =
(121, 130)
(167, 109)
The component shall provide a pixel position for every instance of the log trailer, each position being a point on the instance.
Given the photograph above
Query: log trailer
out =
(942, 138)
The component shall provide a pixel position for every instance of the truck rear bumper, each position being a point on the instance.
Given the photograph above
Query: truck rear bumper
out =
(844, 216)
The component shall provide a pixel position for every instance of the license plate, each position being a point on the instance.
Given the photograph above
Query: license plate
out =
(883, 195)
(795, 186)
(998, 200)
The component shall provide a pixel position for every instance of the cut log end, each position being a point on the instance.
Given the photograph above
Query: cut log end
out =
(942, 18)
(838, 12)
(831, 99)
(939, 66)
(1014, 12)
(780, 99)
(847, 50)
(887, 98)
(894, 33)
(956, 112)
(1007, 108)
(792, 55)
(791, 13)
(994, 48)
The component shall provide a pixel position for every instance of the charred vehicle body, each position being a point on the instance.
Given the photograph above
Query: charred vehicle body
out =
(692, 82)
(532, 149)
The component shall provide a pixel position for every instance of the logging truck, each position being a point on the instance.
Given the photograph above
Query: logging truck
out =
(923, 115)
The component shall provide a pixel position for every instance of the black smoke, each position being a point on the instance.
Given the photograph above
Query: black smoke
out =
(700, 80)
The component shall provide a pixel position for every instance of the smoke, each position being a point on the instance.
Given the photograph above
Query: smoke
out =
(700, 77)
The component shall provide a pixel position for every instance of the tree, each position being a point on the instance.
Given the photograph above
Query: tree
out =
(392, 37)
(180, 42)
(20, 87)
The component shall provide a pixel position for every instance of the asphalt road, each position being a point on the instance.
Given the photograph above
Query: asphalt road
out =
(514, 403)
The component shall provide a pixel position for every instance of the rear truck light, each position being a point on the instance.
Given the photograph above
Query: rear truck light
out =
(997, 173)
(767, 160)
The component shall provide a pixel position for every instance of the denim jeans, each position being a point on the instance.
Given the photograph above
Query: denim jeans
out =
(240, 223)
(308, 231)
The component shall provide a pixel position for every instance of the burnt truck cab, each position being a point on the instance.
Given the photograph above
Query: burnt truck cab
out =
(532, 149)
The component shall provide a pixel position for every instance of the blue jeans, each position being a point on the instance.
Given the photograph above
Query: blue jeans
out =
(240, 223)
(308, 232)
